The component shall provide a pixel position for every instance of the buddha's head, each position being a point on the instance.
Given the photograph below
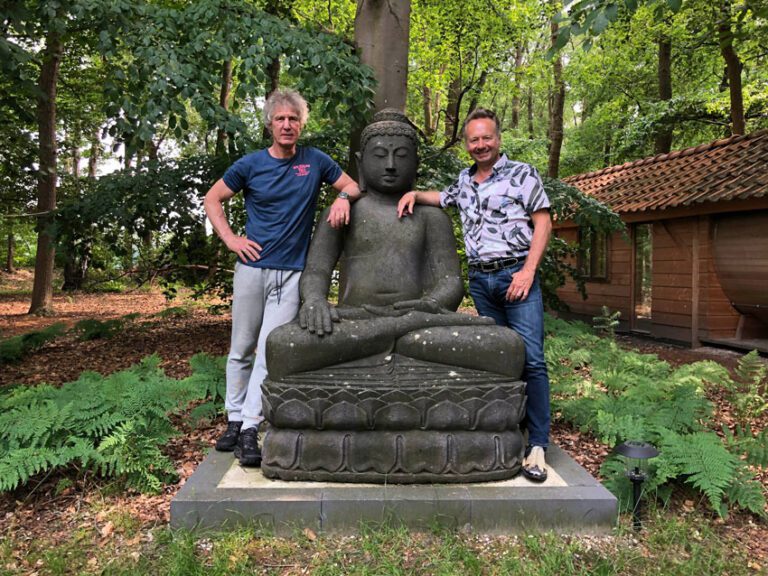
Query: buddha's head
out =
(388, 154)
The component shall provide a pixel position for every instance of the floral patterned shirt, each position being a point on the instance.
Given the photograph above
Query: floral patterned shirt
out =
(496, 214)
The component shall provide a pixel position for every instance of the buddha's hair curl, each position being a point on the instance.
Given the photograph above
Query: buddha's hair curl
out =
(389, 122)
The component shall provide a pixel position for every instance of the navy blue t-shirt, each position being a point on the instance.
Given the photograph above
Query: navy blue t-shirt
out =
(280, 201)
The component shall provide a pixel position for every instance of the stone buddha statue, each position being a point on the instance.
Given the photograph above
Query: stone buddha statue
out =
(392, 385)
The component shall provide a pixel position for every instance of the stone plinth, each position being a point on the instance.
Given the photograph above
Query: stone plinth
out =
(222, 494)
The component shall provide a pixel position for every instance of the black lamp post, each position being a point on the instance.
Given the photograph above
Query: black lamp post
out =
(637, 455)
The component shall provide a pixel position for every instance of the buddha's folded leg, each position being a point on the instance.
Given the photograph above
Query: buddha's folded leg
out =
(292, 349)
(493, 348)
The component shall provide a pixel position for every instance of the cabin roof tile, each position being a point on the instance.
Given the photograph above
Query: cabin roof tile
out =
(728, 169)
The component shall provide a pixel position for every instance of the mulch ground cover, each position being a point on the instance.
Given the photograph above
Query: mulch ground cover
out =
(43, 509)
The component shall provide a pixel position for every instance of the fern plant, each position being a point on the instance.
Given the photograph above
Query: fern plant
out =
(113, 425)
(92, 329)
(747, 390)
(15, 348)
(626, 395)
(607, 322)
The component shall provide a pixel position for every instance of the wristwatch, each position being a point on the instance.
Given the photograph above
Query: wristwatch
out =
(343, 196)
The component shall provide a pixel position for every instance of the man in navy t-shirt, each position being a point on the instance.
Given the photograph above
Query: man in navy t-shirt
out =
(280, 186)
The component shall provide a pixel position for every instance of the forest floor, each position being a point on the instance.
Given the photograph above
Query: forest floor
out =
(40, 511)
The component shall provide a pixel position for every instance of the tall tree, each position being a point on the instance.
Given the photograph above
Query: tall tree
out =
(557, 107)
(382, 30)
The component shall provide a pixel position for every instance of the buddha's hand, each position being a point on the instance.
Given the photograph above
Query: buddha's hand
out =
(318, 316)
(429, 305)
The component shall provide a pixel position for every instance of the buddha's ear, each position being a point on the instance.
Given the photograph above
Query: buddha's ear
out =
(359, 163)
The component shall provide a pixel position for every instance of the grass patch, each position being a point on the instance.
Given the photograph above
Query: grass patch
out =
(669, 545)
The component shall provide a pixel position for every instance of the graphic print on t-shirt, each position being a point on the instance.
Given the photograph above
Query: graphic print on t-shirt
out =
(301, 169)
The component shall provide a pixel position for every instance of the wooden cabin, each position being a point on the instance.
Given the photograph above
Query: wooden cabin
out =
(694, 267)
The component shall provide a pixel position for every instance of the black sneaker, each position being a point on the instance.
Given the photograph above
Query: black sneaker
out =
(228, 440)
(247, 450)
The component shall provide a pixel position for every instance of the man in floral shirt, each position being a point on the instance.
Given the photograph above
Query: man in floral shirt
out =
(506, 223)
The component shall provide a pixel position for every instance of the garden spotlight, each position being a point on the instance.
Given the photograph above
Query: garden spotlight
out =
(637, 455)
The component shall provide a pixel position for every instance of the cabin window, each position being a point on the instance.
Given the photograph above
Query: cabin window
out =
(593, 254)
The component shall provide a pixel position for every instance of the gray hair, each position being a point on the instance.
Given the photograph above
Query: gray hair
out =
(289, 98)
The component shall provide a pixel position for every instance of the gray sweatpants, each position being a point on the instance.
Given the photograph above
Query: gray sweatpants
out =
(263, 299)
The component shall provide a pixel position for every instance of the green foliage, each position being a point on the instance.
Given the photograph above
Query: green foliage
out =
(113, 425)
(607, 322)
(15, 348)
(702, 461)
(208, 375)
(173, 312)
(92, 329)
(618, 395)
(747, 390)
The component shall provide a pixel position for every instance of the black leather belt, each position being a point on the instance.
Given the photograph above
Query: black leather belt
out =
(494, 265)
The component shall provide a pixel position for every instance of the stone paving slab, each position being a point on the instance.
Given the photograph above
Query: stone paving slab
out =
(223, 494)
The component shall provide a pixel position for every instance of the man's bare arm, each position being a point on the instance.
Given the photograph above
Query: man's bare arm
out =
(338, 216)
(409, 199)
(214, 208)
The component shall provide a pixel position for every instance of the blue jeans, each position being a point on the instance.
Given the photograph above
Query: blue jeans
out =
(488, 290)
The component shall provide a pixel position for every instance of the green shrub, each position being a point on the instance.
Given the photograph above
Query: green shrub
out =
(92, 329)
(15, 348)
(620, 395)
(113, 425)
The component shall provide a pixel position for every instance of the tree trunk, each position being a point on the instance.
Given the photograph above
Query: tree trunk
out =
(477, 91)
(733, 68)
(76, 267)
(529, 103)
(426, 94)
(452, 110)
(607, 150)
(226, 87)
(76, 153)
(10, 253)
(381, 39)
(42, 289)
(556, 113)
(663, 139)
(273, 83)
(93, 159)
(515, 123)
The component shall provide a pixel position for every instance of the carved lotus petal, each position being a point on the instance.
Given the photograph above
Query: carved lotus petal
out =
(292, 394)
(447, 415)
(373, 451)
(294, 414)
(370, 406)
(340, 396)
(397, 416)
(472, 405)
(344, 416)
(497, 393)
(280, 449)
(395, 396)
(266, 408)
(476, 452)
(424, 453)
(496, 416)
(322, 451)
(446, 394)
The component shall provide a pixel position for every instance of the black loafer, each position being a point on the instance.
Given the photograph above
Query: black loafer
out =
(534, 465)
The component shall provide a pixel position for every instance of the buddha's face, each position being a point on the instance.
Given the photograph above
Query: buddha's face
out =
(389, 164)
